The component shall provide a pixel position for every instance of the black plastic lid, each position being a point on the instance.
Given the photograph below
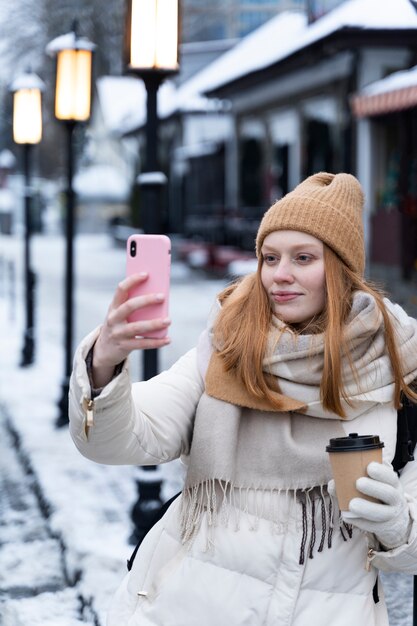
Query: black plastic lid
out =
(354, 442)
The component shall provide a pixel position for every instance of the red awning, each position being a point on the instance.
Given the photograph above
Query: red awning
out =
(365, 105)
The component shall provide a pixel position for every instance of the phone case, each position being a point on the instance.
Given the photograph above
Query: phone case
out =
(153, 255)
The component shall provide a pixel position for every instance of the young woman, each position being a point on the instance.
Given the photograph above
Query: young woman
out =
(302, 351)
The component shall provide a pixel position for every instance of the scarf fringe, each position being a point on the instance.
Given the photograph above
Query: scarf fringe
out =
(229, 506)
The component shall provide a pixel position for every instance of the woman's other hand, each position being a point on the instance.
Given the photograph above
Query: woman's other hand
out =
(118, 337)
(389, 517)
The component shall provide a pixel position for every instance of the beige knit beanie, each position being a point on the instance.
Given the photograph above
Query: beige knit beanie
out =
(327, 206)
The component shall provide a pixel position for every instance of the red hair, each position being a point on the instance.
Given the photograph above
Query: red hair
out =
(243, 324)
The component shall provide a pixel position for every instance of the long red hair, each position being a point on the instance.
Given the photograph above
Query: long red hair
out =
(243, 324)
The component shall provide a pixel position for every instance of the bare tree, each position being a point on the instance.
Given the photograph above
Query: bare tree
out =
(26, 27)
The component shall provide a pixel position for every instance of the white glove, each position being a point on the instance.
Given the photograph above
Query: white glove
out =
(389, 521)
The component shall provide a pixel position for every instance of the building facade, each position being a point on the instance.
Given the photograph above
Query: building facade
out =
(389, 109)
(291, 111)
(230, 19)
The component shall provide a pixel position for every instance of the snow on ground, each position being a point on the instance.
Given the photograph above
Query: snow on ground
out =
(44, 610)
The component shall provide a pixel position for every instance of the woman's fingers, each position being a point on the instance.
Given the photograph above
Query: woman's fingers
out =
(126, 346)
(114, 344)
(118, 337)
(145, 327)
(122, 312)
(383, 473)
(123, 332)
(372, 511)
(146, 343)
(378, 490)
(124, 287)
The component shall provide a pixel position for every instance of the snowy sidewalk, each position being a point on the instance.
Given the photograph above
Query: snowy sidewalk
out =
(33, 576)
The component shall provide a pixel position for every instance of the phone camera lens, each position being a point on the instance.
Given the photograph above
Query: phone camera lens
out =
(133, 248)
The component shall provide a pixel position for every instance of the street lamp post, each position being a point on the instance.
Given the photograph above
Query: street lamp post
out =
(74, 58)
(151, 53)
(27, 131)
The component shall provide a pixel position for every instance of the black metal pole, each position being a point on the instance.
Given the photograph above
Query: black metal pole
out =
(151, 193)
(28, 351)
(146, 509)
(69, 278)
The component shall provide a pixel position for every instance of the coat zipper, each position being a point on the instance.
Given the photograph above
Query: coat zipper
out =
(369, 557)
(90, 413)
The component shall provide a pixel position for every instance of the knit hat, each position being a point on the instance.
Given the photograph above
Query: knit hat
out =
(327, 206)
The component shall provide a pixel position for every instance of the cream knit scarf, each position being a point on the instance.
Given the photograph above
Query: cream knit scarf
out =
(242, 446)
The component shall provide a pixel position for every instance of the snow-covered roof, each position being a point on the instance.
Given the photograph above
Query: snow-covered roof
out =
(397, 80)
(123, 102)
(283, 35)
(257, 50)
(395, 92)
(27, 80)
(69, 41)
(288, 33)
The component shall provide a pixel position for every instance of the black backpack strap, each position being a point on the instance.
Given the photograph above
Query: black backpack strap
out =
(132, 557)
(158, 515)
(375, 593)
(406, 434)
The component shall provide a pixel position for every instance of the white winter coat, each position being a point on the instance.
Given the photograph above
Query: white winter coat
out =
(251, 577)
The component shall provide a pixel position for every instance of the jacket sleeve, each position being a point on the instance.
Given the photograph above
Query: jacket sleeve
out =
(143, 423)
(404, 557)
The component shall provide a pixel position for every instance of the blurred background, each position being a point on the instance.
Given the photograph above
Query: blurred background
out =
(185, 118)
(263, 94)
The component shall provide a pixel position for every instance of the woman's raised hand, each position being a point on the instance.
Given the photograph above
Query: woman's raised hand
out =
(118, 337)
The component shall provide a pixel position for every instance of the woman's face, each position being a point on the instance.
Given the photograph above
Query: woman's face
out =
(293, 275)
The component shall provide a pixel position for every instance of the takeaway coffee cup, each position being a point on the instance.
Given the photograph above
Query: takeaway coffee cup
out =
(349, 458)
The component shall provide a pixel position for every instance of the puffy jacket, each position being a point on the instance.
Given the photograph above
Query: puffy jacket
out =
(252, 576)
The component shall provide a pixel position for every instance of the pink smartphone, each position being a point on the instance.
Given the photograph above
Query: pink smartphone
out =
(150, 254)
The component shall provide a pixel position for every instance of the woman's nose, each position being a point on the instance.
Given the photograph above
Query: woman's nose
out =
(283, 272)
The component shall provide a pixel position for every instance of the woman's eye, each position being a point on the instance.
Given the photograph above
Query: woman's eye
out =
(269, 259)
(304, 258)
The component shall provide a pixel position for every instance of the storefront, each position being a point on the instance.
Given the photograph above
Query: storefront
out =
(390, 106)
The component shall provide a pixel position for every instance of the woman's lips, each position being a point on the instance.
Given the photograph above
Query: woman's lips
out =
(284, 296)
